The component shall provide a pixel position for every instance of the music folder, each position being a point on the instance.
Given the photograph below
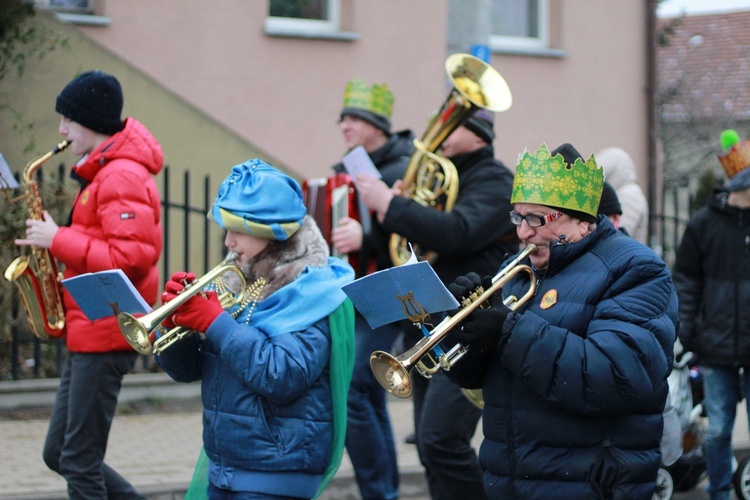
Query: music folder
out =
(409, 291)
(105, 293)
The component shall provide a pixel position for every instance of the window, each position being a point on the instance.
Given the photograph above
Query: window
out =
(310, 17)
(80, 6)
(520, 24)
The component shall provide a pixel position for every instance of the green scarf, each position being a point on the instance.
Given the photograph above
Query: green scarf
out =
(341, 367)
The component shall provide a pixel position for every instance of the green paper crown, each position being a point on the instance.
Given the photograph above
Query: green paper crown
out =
(544, 179)
(374, 98)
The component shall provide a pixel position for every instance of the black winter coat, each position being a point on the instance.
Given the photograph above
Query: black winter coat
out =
(477, 233)
(712, 277)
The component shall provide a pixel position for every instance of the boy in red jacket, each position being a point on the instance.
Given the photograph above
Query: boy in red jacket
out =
(114, 224)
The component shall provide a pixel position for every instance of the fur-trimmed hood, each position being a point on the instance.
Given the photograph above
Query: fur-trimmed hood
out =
(282, 261)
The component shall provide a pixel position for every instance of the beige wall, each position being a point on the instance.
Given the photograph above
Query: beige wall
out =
(594, 97)
(216, 90)
(183, 131)
(284, 94)
(189, 137)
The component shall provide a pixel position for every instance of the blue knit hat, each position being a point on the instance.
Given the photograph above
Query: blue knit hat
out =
(259, 200)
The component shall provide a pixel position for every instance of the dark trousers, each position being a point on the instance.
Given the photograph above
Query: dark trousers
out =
(81, 420)
(369, 436)
(445, 422)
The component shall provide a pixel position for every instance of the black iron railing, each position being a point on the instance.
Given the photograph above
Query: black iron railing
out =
(187, 231)
(187, 234)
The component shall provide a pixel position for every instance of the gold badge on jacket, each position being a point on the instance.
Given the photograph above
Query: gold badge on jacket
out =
(85, 197)
(549, 299)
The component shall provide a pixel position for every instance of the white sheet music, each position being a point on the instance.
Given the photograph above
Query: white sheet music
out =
(7, 181)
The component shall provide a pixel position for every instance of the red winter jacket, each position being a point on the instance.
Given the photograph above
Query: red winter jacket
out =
(116, 224)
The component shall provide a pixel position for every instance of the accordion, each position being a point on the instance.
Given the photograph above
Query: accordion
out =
(328, 200)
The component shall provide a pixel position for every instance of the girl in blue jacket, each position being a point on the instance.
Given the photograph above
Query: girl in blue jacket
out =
(268, 364)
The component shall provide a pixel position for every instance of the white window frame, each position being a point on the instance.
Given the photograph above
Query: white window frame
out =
(498, 42)
(308, 26)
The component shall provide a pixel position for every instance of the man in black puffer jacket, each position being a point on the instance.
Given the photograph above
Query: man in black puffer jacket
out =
(475, 234)
(712, 276)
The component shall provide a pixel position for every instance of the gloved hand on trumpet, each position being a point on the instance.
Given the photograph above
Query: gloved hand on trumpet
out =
(198, 312)
(483, 328)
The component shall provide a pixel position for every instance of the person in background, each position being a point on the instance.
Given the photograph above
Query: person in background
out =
(365, 121)
(574, 379)
(610, 206)
(114, 224)
(620, 171)
(671, 443)
(275, 367)
(712, 276)
(474, 234)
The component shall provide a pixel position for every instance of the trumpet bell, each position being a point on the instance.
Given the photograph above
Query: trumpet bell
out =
(391, 374)
(135, 333)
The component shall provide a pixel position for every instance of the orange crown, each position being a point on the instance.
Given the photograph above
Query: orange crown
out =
(736, 159)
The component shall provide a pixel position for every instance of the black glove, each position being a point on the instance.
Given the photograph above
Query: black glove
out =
(463, 286)
(482, 329)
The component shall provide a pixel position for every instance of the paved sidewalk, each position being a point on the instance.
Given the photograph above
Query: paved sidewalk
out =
(157, 453)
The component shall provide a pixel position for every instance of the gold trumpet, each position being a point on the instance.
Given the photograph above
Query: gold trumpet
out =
(393, 371)
(137, 331)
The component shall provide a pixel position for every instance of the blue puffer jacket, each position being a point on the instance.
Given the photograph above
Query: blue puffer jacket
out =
(268, 421)
(573, 404)
(251, 421)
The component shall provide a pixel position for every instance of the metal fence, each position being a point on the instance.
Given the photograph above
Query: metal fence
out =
(668, 226)
(190, 243)
(187, 242)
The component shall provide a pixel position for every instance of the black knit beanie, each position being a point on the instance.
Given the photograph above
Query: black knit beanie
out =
(609, 204)
(570, 154)
(482, 127)
(93, 99)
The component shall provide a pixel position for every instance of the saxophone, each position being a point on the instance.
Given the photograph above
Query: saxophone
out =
(36, 276)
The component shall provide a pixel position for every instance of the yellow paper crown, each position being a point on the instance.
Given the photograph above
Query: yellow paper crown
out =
(373, 98)
(544, 179)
